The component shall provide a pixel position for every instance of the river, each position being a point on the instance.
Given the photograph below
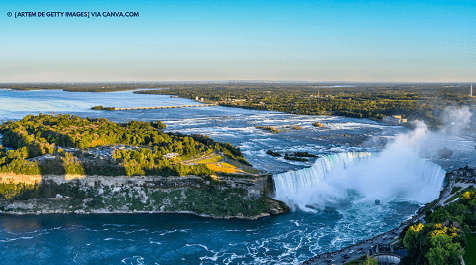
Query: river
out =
(351, 216)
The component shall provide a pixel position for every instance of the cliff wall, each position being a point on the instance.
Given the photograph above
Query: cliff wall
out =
(219, 197)
(256, 187)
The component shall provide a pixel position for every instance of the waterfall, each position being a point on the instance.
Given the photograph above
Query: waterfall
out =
(294, 182)
(389, 175)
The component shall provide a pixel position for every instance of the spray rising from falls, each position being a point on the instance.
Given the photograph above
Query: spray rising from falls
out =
(394, 174)
(397, 173)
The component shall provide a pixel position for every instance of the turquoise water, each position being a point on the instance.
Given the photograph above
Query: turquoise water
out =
(186, 239)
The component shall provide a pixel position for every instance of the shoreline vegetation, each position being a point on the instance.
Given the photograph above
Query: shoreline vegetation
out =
(50, 146)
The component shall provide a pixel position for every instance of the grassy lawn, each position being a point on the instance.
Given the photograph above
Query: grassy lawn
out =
(251, 171)
(356, 261)
(236, 164)
(186, 158)
(470, 251)
(458, 194)
(227, 165)
(211, 160)
(216, 163)
(222, 169)
(246, 169)
(455, 189)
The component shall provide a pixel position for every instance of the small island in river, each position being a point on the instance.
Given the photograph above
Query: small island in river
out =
(68, 164)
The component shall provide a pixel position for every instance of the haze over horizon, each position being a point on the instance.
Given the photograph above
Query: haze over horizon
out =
(337, 83)
(314, 41)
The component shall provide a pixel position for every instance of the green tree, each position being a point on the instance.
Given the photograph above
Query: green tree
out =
(443, 251)
(369, 261)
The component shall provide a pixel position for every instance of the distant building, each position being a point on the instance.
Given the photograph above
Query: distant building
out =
(69, 149)
(395, 119)
(171, 155)
(467, 174)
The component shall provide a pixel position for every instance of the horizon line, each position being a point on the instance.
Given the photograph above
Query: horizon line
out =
(239, 81)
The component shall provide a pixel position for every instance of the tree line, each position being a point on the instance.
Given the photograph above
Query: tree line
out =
(42, 134)
(442, 238)
(413, 101)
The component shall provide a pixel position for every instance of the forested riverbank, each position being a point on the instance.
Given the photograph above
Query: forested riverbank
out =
(67, 164)
(421, 101)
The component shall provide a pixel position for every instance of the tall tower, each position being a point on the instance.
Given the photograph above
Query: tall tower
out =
(471, 91)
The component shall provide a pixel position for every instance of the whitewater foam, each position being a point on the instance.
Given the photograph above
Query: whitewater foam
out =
(343, 177)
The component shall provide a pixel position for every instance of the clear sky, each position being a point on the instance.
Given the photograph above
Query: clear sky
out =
(424, 41)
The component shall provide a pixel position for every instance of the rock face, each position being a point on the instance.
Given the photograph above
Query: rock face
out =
(218, 197)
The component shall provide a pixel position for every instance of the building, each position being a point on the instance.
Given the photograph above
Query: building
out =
(385, 254)
(395, 120)
(467, 174)
(171, 155)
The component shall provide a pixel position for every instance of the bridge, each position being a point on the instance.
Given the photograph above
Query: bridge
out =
(168, 107)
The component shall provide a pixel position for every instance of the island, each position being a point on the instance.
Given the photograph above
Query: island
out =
(295, 156)
(318, 124)
(100, 107)
(68, 164)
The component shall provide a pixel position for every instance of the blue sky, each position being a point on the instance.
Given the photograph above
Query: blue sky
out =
(424, 41)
